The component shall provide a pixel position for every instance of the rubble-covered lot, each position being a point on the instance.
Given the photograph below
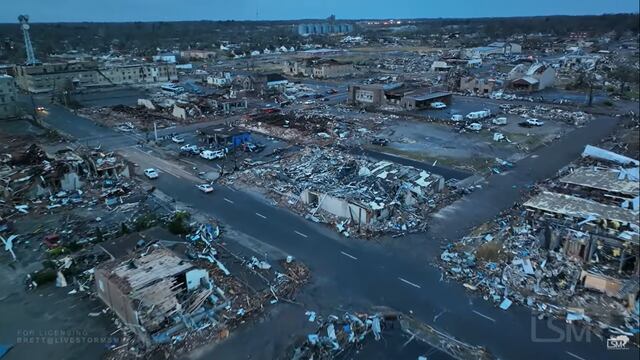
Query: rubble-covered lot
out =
(351, 192)
(79, 232)
(570, 250)
(352, 334)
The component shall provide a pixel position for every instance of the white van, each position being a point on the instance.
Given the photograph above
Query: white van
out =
(211, 155)
(499, 121)
(478, 114)
(474, 127)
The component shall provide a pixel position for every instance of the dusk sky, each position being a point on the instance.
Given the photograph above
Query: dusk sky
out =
(169, 10)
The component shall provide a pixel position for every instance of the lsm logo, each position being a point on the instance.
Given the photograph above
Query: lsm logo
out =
(556, 332)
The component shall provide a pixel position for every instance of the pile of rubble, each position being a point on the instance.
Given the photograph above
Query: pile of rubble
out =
(571, 117)
(184, 303)
(570, 251)
(351, 192)
(33, 179)
(316, 126)
(128, 119)
(336, 336)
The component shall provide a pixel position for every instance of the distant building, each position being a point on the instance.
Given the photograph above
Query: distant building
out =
(440, 66)
(51, 76)
(480, 86)
(318, 68)
(220, 79)
(495, 48)
(198, 54)
(409, 97)
(168, 58)
(533, 78)
(8, 97)
(323, 29)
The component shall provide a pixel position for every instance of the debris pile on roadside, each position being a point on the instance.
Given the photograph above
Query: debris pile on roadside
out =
(351, 192)
(569, 251)
(570, 117)
(339, 337)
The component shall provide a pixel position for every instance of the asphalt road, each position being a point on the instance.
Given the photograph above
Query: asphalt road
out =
(349, 271)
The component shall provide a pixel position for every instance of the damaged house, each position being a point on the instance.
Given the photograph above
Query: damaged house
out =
(536, 77)
(157, 294)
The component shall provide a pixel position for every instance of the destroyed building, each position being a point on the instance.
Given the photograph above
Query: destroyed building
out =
(346, 189)
(571, 250)
(156, 293)
(533, 78)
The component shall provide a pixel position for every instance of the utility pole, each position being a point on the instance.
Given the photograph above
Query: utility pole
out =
(155, 131)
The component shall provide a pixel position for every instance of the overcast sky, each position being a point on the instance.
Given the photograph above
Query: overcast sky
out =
(168, 10)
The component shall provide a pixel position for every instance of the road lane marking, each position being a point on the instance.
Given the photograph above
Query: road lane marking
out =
(410, 283)
(262, 216)
(484, 316)
(299, 233)
(229, 201)
(348, 255)
(575, 356)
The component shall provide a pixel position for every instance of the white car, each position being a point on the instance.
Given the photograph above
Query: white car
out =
(177, 139)
(535, 122)
(211, 155)
(151, 173)
(205, 188)
(474, 127)
(438, 105)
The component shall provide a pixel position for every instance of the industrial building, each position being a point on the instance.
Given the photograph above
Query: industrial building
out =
(323, 28)
(40, 78)
(8, 97)
(408, 96)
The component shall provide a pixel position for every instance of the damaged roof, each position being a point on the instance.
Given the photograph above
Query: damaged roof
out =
(141, 270)
(580, 208)
(605, 179)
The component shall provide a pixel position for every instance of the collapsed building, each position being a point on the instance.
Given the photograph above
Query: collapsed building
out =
(571, 250)
(157, 293)
(351, 190)
(36, 173)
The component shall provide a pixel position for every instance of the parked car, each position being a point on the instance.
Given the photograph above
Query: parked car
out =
(535, 122)
(457, 117)
(380, 141)
(438, 105)
(205, 188)
(332, 91)
(474, 127)
(177, 139)
(41, 109)
(309, 102)
(151, 173)
(191, 149)
(212, 154)
(499, 121)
